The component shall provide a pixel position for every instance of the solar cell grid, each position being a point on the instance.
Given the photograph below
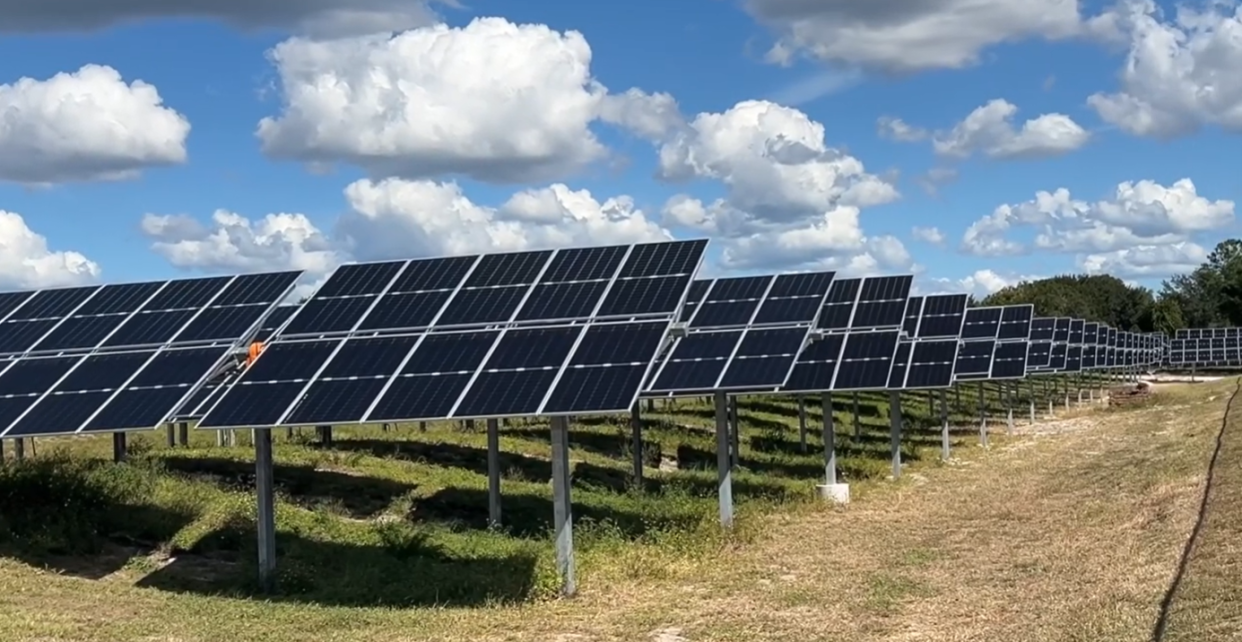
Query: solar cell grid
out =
(1061, 329)
(942, 316)
(901, 365)
(1042, 328)
(931, 364)
(1076, 331)
(815, 367)
(1015, 322)
(974, 360)
(1038, 354)
(914, 309)
(882, 302)
(982, 323)
(866, 360)
(1009, 360)
(839, 304)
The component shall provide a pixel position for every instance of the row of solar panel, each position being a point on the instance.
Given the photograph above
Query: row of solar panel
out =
(551, 286)
(1207, 333)
(191, 311)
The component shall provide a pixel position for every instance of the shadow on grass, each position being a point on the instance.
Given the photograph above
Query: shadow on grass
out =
(84, 518)
(615, 445)
(591, 477)
(529, 516)
(451, 455)
(406, 571)
(360, 497)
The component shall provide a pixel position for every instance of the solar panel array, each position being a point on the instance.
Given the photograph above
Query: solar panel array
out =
(121, 357)
(1206, 348)
(554, 332)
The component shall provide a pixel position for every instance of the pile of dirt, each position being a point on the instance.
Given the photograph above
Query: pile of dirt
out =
(1129, 394)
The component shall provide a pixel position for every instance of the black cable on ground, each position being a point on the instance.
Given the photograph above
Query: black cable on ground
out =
(1166, 605)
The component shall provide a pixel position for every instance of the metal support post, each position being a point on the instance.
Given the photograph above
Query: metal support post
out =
(19, 448)
(830, 442)
(636, 444)
(735, 435)
(263, 474)
(802, 423)
(562, 513)
(118, 447)
(983, 418)
(1010, 393)
(183, 433)
(493, 473)
(945, 443)
(894, 422)
(172, 436)
(724, 473)
(857, 422)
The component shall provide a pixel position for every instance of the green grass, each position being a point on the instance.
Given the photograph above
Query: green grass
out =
(399, 517)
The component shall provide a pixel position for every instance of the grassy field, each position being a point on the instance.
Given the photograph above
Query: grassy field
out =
(383, 536)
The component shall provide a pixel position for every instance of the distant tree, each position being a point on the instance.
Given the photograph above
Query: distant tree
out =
(1167, 316)
(1097, 297)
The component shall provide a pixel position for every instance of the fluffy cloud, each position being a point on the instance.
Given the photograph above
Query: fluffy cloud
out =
(233, 243)
(931, 235)
(86, 125)
(26, 262)
(909, 36)
(1179, 75)
(397, 219)
(491, 100)
(979, 283)
(1138, 214)
(1146, 260)
(892, 128)
(989, 130)
(315, 17)
(791, 200)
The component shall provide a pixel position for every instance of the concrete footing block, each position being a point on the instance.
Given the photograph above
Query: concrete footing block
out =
(838, 493)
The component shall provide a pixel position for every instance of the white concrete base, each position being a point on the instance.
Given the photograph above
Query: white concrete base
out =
(839, 493)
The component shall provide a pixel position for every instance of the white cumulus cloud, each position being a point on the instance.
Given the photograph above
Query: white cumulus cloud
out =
(1179, 75)
(1142, 213)
(989, 130)
(26, 261)
(86, 125)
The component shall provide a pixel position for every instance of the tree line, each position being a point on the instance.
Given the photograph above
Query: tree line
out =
(1208, 296)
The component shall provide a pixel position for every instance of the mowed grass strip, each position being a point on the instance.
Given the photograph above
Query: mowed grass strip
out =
(163, 547)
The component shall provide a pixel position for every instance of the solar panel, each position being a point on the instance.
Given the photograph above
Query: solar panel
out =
(493, 335)
(781, 300)
(1061, 330)
(882, 302)
(914, 309)
(1073, 358)
(839, 304)
(866, 361)
(942, 316)
(974, 360)
(901, 365)
(1057, 359)
(1038, 354)
(982, 323)
(1009, 360)
(1042, 328)
(931, 364)
(202, 311)
(816, 366)
(1076, 331)
(1015, 322)
(103, 391)
(1088, 357)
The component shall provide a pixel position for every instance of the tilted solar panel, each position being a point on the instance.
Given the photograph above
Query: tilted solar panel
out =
(554, 332)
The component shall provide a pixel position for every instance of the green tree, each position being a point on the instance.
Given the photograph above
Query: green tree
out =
(1167, 316)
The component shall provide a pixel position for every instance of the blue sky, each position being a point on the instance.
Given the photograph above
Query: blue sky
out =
(709, 55)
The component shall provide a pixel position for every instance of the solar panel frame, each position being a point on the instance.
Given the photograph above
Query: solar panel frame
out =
(876, 364)
(888, 300)
(942, 316)
(974, 360)
(943, 368)
(1015, 323)
(982, 323)
(1009, 360)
